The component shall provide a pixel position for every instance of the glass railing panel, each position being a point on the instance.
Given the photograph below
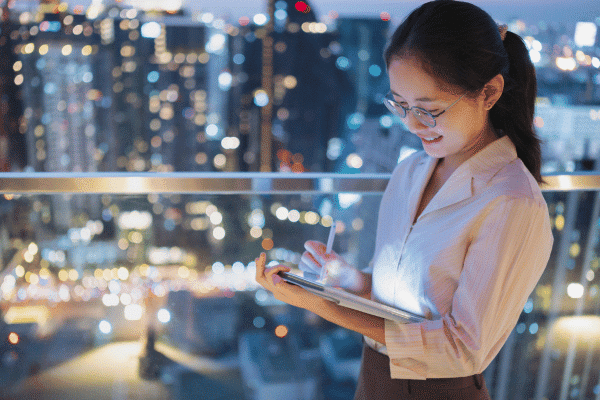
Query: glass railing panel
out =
(152, 295)
(551, 354)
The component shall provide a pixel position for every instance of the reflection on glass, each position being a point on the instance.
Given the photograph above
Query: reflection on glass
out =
(142, 284)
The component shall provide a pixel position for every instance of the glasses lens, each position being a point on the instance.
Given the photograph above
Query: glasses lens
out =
(395, 108)
(424, 117)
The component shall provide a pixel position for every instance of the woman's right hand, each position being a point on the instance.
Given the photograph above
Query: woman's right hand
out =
(331, 268)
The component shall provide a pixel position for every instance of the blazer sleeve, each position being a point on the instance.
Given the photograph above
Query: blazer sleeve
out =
(504, 261)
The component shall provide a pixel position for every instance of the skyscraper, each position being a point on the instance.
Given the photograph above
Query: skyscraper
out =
(309, 91)
(13, 153)
(57, 75)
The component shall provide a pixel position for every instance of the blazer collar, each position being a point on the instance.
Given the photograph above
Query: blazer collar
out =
(469, 178)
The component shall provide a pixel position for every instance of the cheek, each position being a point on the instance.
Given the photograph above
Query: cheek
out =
(468, 119)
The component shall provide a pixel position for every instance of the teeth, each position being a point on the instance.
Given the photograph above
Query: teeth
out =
(432, 139)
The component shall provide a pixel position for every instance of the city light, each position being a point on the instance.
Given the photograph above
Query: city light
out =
(110, 300)
(281, 15)
(151, 30)
(347, 200)
(355, 120)
(133, 312)
(354, 161)
(343, 63)
(216, 43)
(212, 130)
(282, 213)
(375, 70)
(260, 19)
(230, 143)
(13, 338)
(255, 232)
(281, 331)
(302, 6)
(584, 329)
(293, 216)
(575, 290)
(535, 56)
(219, 233)
(105, 327)
(216, 218)
(566, 63)
(585, 34)
(243, 21)
(140, 220)
(218, 268)
(261, 98)
(27, 315)
(225, 79)
(163, 315)
(125, 299)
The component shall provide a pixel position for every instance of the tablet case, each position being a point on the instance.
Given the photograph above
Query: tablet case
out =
(350, 300)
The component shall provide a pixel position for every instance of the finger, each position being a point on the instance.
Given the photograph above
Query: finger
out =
(302, 266)
(260, 267)
(271, 274)
(309, 263)
(317, 249)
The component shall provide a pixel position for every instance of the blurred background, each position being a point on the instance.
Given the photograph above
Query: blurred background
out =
(127, 295)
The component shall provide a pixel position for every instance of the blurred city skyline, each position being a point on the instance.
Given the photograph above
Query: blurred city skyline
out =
(532, 11)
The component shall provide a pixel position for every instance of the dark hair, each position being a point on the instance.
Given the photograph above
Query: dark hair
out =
(460, 45)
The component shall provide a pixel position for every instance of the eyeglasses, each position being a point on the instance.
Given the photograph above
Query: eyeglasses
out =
(424, 116)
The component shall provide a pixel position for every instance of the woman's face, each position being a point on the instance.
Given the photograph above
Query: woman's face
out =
(459, 133)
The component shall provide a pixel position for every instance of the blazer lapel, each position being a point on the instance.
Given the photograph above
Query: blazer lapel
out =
(422, 175)
(457, 188)
(472, 175)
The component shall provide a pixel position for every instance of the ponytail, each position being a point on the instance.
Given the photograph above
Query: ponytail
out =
(514, 111)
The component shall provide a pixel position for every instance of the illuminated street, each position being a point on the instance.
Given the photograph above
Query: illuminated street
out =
(109, 372)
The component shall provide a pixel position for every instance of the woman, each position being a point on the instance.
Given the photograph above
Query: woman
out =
(463, 232)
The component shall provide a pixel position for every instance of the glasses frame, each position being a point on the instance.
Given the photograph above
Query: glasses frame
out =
(422, 115)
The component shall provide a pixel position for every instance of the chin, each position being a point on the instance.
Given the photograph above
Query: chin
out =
(435, 154)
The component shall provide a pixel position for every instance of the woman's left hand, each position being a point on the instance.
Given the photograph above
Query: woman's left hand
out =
(283, 291)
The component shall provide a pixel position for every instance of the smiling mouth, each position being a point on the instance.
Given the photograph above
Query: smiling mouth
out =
(431, 140)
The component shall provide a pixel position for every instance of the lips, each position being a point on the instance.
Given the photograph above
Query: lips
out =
(430, 139)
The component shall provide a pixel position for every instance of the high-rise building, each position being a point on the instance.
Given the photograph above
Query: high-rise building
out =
(13, 153)
(187, 82)
(58, 72)
(309, 91)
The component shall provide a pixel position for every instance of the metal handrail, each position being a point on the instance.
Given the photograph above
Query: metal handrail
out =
(231, 182)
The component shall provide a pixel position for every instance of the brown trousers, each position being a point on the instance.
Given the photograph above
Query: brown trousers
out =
(374, 383)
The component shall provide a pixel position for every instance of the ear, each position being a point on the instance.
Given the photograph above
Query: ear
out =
(492, 91)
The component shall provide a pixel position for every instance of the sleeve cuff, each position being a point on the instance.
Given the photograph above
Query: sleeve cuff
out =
(405, 344)
(404, 340)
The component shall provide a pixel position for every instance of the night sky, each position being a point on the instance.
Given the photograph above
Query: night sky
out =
(566, 12)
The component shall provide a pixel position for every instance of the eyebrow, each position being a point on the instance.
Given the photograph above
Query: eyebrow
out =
(423, 99)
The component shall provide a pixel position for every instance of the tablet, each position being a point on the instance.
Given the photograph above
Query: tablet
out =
(350, 300)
